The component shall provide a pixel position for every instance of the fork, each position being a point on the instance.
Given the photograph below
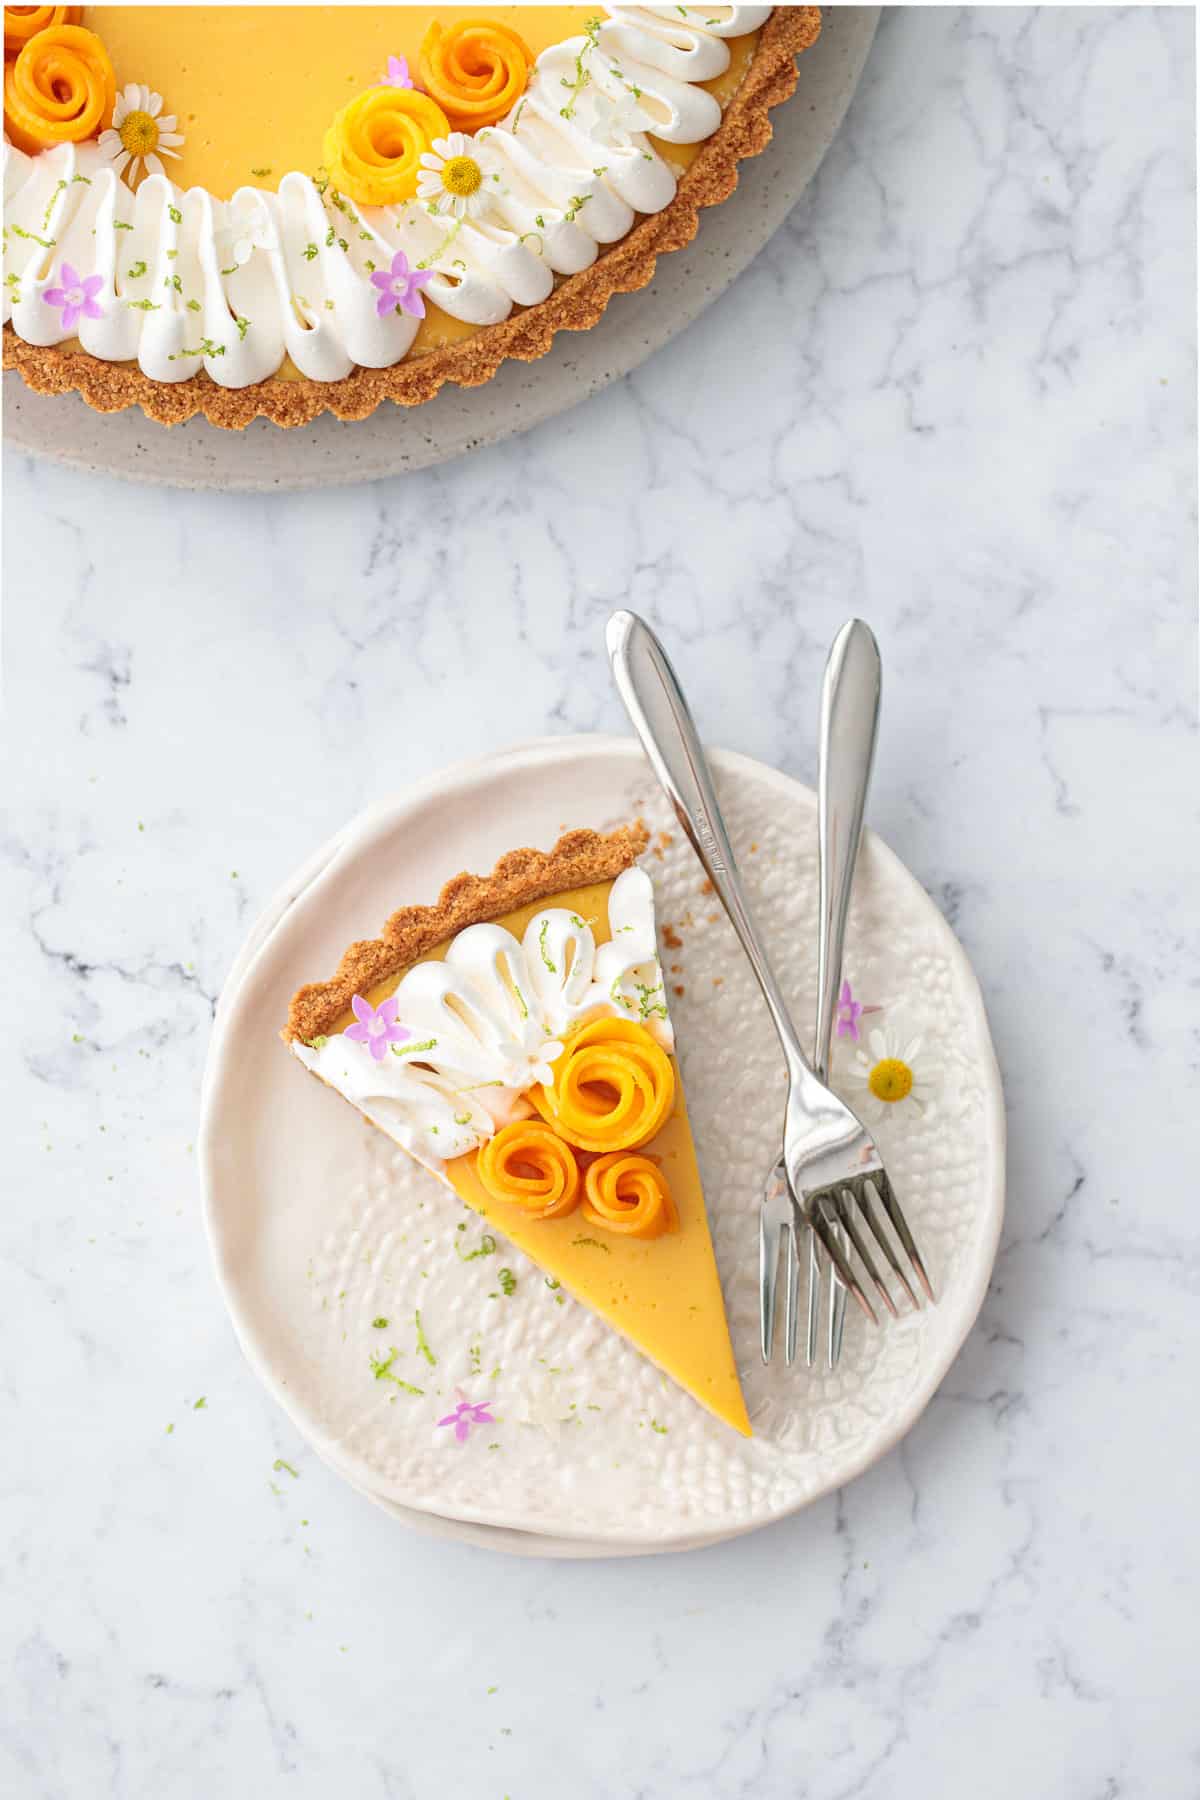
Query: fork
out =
(827, 1152)
(850, 695)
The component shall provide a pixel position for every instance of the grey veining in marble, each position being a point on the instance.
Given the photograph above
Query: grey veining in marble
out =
(956, 394)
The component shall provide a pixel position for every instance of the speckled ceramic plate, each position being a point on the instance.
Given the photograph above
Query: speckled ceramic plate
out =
(393, 441)
(319, 1225)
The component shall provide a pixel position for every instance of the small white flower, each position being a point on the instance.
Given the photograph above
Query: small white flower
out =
(139, 132)
(452, 178)
(248, 227)
(890, 1072)
(544, 1406)
(617, 121)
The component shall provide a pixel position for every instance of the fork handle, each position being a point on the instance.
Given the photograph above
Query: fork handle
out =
(850, 695)
(654, 701)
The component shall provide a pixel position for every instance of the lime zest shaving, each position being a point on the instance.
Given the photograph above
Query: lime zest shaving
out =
(423, 1342)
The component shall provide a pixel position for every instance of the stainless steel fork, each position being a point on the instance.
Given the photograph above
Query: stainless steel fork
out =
(850, 696)
(827, 1153)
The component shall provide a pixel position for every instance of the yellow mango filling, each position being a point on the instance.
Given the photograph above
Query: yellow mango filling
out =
(255, 87)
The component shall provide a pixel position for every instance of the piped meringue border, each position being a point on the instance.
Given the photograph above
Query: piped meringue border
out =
(575, 305)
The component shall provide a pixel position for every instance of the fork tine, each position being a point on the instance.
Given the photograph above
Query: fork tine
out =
(891, 1207)
(827, 1233)
(814, 1299)
(837, 1322)
(863, 1254)
(791, 1293)
(769, 1230)
(867, 1208)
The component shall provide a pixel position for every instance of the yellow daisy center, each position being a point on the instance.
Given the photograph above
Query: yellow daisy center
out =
(462, 175)
(891, 1080)
(138, 133)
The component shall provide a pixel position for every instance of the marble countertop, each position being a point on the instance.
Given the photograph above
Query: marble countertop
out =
(955, 395)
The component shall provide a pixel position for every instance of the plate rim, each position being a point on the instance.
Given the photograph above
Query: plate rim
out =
(303, 889)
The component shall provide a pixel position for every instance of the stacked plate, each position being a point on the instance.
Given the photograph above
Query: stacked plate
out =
(352, 1276)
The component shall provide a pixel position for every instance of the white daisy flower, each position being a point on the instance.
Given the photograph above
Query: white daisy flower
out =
(451, 178)
(891, 1072)
(140, 133)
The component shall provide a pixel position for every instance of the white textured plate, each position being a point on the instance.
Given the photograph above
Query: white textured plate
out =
(395, 440)
(320, 1226)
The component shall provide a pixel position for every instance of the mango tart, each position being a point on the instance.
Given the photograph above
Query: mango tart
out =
(514, 1038)
(414, 197)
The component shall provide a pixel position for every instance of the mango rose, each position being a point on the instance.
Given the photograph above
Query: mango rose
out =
(613, 1087)
(23, 22)
(475, 70)
(530, 1166)
(60, 89)
(629, 1194)
(374, 147)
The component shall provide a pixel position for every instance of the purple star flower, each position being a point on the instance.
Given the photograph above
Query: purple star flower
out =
(400, 288)
(76, 297)
(849, 1012)
(376, 1027)
(467, 1414)
(396, 74)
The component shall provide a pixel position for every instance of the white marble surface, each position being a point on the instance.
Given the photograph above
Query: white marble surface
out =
(955, 395)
